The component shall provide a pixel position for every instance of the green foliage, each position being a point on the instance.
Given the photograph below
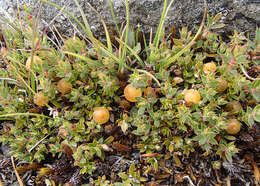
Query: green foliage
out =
(133, 177)
(161, 122)
(256, 113)
(255, 90)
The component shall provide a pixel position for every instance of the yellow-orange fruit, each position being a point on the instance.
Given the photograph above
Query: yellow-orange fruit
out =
(222, 85)
(233, 126)
(64, 87)
(209, 67)
(131, 93)
(40, 99)
(233, 107)
(36, 60)
(191, 96)
(101, 115)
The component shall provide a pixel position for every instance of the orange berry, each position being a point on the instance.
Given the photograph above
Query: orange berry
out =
(222, 85)
(40, 99)
(233, 126)
(131, 93)
(100, 115)
(191, 96)
(209, 67)
(64, 87)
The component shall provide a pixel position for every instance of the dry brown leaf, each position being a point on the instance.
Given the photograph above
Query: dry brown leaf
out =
(45, 171)
(152, 184)
(179, 177)
(177, 161)
(161, 176)
(250, 158)
(121, 147)
(149, 155)
(256, 172)
(124, 104)
(32, 166)
(148, 170)
(167, 170)
(218, 179)
(172, 35)
(162, 165)
(67, 150)
(191, 174)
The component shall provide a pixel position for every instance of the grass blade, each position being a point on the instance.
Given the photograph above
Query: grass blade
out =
(126, 36)
(114, 57)
(132, 51)
(93, 63)
(114, 18)
(160, 27)
(149, 74)
(175, 57)
(89, 33)
(19, 75)
(161, 20)
(109, 45)
(38, 142)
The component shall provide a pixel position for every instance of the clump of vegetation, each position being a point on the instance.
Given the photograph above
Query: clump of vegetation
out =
(162, 100)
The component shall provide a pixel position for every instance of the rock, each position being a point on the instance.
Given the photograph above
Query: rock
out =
(242, 15)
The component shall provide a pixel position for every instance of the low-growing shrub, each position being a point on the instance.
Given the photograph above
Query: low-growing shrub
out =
(165, 105)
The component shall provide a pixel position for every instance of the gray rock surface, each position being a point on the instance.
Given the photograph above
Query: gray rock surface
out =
(242, 15)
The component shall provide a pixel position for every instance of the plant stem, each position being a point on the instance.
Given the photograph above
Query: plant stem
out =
(175, 57)
(150, 75)
(24, 114)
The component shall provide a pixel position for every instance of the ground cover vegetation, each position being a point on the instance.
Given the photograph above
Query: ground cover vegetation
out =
(132, 110)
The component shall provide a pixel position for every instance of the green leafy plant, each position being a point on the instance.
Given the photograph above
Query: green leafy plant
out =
(183, 93)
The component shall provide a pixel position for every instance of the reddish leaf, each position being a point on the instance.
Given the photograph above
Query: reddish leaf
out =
(121, 147)
(149, 155)
(67, 150)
